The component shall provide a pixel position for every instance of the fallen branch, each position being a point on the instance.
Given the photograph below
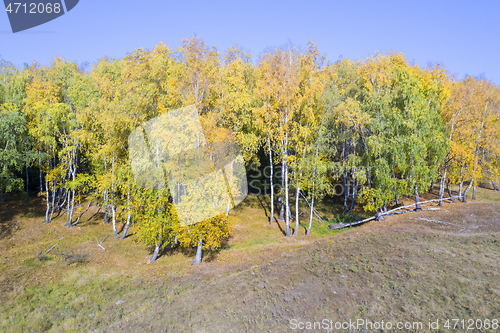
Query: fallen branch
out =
(345, 225)
(436, 221)
(389, 212)
(99, 244)
(81, 214)
(315, 212)
(397, 213)
(421, 202)
(53, 246)
(95, 213)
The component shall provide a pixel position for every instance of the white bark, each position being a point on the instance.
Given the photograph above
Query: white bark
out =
(197, 259)
(271, 179)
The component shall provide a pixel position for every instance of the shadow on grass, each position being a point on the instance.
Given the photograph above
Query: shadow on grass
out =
(262, 204)
(209, 255)
(19, 205)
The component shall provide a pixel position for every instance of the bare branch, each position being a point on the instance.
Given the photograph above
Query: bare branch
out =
(99, 244)
(53, 246)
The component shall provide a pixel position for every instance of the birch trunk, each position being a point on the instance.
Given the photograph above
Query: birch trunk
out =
(418, 207)
(47, 220)
(155, 253)
(40, 167)
(297, 196)
(494, 185)
(312, 199)
(113, 206)
(354, 190)
(271, 180)
(197, 259)
(443, 180)
(287, 203)
(127, 225)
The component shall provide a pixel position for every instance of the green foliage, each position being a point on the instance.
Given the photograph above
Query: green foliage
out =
(380, 126)
(154, 216)
(15, 148)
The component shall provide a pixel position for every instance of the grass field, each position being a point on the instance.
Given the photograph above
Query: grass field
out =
(415, 267)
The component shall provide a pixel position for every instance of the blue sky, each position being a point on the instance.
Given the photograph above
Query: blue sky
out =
(464, 36)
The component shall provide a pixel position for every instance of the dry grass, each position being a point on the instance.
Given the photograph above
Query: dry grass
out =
(403, 268)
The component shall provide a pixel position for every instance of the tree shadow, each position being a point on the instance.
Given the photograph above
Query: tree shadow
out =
(129, 234)
(211, 255)
(283, 231)
(262, 205)
(94, 219)
(19, 206)
(190, 252)
(268, 214)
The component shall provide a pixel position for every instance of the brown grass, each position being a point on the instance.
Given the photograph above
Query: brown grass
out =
(404, 268)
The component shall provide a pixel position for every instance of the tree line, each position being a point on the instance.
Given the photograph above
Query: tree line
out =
(382, 127)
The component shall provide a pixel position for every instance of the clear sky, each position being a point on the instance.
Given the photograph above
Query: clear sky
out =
(464, 36)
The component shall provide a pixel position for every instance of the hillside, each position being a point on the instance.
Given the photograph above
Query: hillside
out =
(404, 268)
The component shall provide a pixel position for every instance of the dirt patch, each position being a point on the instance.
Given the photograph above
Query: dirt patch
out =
(402, 269)
(419, 266)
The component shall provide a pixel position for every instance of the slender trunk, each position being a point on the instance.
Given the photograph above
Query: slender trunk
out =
(113, 206)
(418, 208)
(53, 200)
(354, 190)
(476, 152)
(68, 190)
(287, 203)
(473, 180)
(297, 196)
(40, 167)
(155, 253)
(494, 185)
(27, 180)
(271, 179)
(344, 174)
(474, 193)
(432, 186)
(113, 211)
(443, 179)
(106, 215)
(47, 220)
(396, 195)
(461, 178)
(73, 190)
(197, 259)
(280, 200)
(105, 195)
(127, 225)
(346, 184)
(313, 192)
(441, 191)
(81, 214)
(61, 195)
(285, 175)
(464, 195)
(448, 190)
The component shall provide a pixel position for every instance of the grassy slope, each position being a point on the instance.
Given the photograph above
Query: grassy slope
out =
(403, 268)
